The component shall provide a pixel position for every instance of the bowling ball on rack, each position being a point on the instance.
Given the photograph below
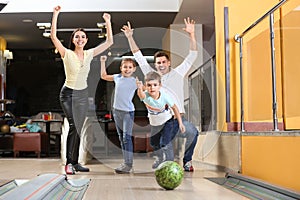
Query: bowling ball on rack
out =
(5, 128)
(169, 175)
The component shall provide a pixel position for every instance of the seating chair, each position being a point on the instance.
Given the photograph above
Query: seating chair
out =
(55, 130)
(27, 142)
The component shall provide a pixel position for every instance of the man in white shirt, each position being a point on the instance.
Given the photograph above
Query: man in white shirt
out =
(172, 82)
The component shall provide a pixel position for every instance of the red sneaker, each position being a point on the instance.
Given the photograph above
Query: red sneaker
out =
(188, 167)
(69, 169)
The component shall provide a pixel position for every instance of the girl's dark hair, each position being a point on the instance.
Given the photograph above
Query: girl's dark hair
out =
(71, 44)
(161, 54)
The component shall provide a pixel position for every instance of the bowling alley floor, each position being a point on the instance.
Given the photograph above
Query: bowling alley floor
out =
(106, 184)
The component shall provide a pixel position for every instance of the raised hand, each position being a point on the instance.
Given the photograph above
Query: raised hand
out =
(106, 17)
(128, 31)
(139, 83)
(189, 25)
(56, 9)
(103, 58)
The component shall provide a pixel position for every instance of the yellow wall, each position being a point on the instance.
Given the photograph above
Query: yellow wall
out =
(273, 159)
(291, 69)
(241, 16)
(258, 74)
(256, 63)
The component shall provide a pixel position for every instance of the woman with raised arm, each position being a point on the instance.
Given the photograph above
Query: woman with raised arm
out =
(74, 93)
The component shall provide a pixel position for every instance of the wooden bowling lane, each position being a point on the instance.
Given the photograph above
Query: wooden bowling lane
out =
(105, 184)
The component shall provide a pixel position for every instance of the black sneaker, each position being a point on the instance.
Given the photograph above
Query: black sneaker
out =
(123, 169)
(79, 168)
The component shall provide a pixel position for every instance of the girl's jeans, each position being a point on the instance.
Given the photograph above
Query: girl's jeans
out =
(124, 123)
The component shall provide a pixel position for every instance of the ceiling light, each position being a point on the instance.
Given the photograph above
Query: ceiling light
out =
(46, 25)
(101, 25)
(72, 29)
(47, 34)
(102, 35)
(8, 54)
(27, 20)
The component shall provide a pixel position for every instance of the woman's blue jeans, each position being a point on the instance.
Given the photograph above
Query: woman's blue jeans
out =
(124, 123)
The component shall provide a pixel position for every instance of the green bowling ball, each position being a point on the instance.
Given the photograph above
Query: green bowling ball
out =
(169, 175)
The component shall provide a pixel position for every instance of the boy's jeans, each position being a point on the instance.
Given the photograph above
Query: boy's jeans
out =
(161, 139)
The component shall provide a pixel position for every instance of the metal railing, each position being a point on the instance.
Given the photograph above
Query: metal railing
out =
(239, 39)
(201, 104)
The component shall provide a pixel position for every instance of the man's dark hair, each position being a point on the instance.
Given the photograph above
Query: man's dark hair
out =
(161, 54)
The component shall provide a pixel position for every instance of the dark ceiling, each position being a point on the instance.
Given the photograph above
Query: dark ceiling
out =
(21, 35)
(33, 68)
